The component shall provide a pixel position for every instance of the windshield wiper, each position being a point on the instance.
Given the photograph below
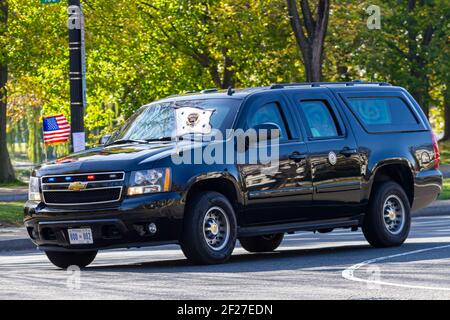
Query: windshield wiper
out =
(124, 141)
(159, 139)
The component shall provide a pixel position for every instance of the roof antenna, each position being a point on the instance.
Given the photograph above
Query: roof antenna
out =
(230, 91)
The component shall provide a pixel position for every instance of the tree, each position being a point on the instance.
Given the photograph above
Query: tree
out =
(440, 57)
(221, 43)
(311, 42)
(347, 20)
(191, 29)
(401, 52)
(6, 169)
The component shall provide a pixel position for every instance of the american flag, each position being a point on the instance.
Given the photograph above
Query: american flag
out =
(56, 129)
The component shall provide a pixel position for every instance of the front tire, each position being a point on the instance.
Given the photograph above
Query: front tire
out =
(64, 260)
(209, 229)
(388, 219)
(262, 243)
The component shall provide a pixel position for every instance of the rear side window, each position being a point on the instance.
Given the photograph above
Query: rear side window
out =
(321, 122)
(383, 114)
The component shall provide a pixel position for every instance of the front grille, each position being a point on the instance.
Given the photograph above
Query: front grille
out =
(97, 190)
(80, 197)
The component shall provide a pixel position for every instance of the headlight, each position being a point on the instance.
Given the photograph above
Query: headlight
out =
(149, 181)
(33, 191)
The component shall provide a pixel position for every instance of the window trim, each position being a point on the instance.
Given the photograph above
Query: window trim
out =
(340, 128)
(419, 126)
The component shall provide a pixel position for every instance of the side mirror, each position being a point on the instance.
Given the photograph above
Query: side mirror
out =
(104, 139)
(267, 131)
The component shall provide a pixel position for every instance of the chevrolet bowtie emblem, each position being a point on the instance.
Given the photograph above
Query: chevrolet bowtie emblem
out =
(77, 186)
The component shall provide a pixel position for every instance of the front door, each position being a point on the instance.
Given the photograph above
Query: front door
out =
(275, 192)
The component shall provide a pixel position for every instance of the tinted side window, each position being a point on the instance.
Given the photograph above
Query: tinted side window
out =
(268, 113)
(319, 119)
(383, 113)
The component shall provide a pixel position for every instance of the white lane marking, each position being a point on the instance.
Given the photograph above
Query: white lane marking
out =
(349, 273)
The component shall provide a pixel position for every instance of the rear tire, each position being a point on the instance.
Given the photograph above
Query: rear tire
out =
(266, 243)
(388, 218)
(64, 260)
(209, 229)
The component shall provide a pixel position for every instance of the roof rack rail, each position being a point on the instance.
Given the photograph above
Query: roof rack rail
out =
(319, 84)
(277, 86)
(209, 90)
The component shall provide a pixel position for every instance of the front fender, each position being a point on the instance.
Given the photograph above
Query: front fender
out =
(227, 175)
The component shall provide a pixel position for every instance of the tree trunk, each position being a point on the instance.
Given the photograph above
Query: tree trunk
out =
(311, 43)
(446, 117)
(227, 78)
(228, 72)
(6, 169)
(417, 55)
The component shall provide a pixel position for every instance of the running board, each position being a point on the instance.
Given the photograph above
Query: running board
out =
(300, 226)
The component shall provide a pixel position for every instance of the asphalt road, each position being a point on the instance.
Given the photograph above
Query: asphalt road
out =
(339, 265)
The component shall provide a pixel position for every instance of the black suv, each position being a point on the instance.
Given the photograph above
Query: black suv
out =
(350, 155)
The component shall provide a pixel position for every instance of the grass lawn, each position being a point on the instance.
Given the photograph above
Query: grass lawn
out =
(11, 213)
(445, 195)
(16, 183)
(444, 151)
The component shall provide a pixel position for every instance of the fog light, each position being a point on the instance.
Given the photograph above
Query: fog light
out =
(152, 228)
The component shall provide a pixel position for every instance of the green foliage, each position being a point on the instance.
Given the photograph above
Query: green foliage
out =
(405, 49)
(445, 195)
(444, 152)
(141, 51)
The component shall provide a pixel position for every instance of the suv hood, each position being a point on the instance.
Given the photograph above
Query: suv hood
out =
(126, 157)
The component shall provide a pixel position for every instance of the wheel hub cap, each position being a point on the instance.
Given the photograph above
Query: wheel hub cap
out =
(216, 228)
(391, 214)
(394, 214)
(213, 228)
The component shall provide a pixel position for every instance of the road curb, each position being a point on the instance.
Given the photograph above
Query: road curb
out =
(439, 208)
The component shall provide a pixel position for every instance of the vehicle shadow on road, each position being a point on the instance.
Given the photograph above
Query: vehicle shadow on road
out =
(327, 259)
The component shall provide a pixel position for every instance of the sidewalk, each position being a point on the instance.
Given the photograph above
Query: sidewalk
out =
(13, 194)
(17, 238)
(437, 208)
(12, 239)
(445, 169)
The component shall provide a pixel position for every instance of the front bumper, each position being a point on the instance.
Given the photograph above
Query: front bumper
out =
(120, 227)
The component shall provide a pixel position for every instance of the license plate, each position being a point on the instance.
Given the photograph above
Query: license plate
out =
(80, 236)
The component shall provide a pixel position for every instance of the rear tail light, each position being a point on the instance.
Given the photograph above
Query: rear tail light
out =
(436, 151)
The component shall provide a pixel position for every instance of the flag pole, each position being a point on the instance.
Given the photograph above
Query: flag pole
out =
(45, 152)
(43, 134)
(77, 62)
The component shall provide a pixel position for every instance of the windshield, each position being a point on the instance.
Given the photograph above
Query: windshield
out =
(163, 120)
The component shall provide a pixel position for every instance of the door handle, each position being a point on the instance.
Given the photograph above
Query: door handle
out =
(348, 152)
(297, 156)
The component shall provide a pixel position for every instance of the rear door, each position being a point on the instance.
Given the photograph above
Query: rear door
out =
(336, 166)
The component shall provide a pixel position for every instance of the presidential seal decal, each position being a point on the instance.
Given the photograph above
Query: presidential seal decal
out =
(332, 158)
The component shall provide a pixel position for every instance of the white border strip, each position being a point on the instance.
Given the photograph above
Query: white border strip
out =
(349, 273)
